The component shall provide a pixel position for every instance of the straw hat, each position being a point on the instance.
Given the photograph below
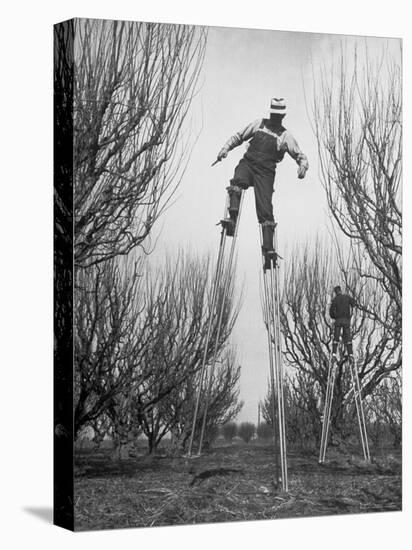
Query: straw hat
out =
(278, 106)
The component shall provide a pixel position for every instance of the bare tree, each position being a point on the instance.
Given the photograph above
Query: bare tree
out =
(224, 402)
(357, 119)
(229, 430)
(133, 87)
(264, 431)
(384, 410)
(303, 408)
(307, 332)
(139, 338)
(174, 413)
(178, 306)
(107, 317)
(246, 431)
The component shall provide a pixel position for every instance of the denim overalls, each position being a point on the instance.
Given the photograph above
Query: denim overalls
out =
(257, 169)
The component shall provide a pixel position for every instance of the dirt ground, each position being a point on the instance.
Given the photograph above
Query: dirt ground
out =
(231, 483)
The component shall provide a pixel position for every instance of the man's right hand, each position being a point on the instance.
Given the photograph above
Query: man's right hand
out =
(222, 153)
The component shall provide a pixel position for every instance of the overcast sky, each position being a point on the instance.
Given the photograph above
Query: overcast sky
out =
(242, 70)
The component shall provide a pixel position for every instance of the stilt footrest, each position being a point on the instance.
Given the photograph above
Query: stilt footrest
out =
(229, 225)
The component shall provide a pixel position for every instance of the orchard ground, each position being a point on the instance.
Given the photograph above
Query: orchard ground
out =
(230, 483)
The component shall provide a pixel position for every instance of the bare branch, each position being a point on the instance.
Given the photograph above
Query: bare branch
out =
(133, 87)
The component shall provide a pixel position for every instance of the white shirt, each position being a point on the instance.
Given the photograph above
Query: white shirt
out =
(286, 142)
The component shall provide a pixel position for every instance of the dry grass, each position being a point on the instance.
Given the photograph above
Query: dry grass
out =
(229, 484)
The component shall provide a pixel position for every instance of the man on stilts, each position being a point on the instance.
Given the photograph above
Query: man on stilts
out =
(341, 310)
(268, 142)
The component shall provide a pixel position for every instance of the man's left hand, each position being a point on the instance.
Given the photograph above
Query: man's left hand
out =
(301, 172)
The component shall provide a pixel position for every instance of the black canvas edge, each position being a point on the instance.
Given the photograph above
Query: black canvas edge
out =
(63, 436)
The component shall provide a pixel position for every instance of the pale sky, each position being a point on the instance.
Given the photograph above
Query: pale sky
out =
(242, 70)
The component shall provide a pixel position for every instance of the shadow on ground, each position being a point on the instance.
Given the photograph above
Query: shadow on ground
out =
(43, 513)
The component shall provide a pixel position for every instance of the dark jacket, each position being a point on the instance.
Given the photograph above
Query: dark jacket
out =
(341, 308)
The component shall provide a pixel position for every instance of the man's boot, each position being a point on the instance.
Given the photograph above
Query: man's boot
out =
(229, 225)
(235, 194)
(268, 250)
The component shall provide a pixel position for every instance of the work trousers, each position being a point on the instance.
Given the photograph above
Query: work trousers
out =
(248, 174)
(342, 327)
